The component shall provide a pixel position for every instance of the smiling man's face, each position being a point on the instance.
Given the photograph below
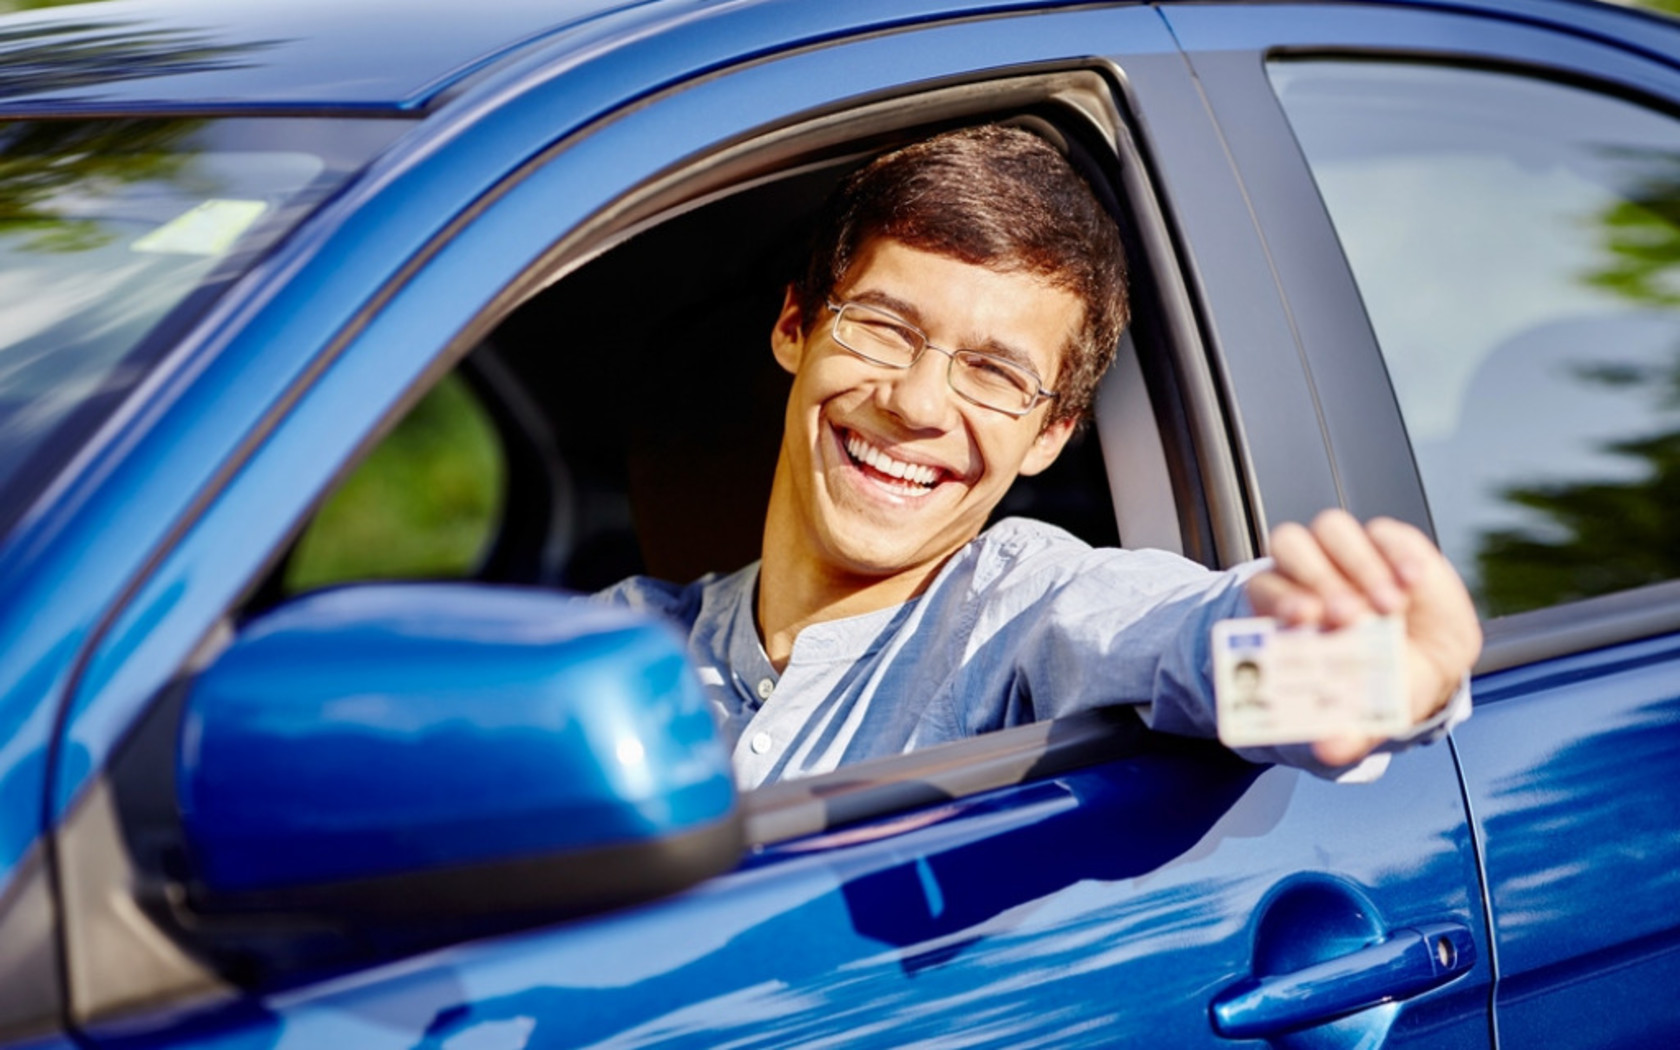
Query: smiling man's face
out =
(885, 471)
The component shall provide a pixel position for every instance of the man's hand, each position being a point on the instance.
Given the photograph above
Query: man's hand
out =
(1337, 571)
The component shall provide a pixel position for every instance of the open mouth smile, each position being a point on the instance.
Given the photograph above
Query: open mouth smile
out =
(900, 475)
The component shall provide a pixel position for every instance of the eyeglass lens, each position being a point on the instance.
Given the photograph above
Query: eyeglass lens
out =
(887, 340)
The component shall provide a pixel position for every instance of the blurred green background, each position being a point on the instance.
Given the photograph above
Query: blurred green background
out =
(424, 504)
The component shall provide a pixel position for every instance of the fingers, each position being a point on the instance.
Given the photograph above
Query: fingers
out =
(1303, 578)
(1442, 626)
(1408, 551)
(1272, 595)
(1337, 571)
(1359, 559)
(1331, 574)
(1426, 573)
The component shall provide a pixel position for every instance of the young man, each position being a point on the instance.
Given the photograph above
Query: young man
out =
(964, 295)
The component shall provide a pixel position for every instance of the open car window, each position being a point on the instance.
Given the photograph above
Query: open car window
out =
(625, 419)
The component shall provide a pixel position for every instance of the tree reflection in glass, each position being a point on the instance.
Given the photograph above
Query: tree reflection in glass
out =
(1611, 534)
(115, 234)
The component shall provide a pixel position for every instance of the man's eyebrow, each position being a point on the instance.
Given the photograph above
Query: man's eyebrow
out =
(908, 312)
(891, 303)
(993, 348)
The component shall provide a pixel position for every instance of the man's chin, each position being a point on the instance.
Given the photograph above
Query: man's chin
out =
(879, 538)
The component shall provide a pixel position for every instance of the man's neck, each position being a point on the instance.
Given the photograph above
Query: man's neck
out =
(789, 601)
(795, 592)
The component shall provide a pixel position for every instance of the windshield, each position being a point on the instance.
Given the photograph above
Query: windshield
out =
(116, 233)
(1661, 7)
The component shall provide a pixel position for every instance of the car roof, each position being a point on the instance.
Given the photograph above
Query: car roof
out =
(137, 55)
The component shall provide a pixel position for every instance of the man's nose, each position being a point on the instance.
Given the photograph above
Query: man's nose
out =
(920, 396)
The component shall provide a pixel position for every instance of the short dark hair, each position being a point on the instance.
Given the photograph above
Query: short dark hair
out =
(999, 197)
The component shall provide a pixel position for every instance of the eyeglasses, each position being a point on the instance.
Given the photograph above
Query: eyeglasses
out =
(890, 341)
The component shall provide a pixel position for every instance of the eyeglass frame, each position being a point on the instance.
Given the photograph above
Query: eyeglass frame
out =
(950, 358)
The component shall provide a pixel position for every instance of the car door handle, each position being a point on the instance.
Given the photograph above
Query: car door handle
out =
(1409, 961)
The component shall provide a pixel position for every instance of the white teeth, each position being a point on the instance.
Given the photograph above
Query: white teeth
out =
(916, 473)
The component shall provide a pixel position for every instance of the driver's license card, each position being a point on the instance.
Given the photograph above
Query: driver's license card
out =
(1276, 685)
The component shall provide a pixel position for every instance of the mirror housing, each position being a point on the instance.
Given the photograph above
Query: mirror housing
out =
(453, 751)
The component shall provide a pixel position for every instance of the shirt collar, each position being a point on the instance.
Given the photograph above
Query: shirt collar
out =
(848, 638)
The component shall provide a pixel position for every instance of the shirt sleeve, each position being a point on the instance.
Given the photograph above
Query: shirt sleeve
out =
(1087, 628)
(1135, 628)
(675, 602)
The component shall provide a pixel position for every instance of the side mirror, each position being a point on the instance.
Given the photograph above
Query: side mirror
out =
(450, 751)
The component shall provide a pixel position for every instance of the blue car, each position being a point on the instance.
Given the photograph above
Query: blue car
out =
(344, 344)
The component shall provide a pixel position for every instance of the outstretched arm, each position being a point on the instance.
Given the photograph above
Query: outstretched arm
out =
(1336, 571)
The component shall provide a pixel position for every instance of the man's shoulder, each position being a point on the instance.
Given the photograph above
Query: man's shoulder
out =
(679, 601)
(1025, 544)
(1023, 535)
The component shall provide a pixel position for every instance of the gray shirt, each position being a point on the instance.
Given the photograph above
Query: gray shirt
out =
(1024, 623)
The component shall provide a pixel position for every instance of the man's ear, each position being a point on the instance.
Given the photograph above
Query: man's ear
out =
(1048, 445)
(787, 338)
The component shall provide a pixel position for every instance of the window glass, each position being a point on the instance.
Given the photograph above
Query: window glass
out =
(1517, 245)
(425, 504)
(1665, 7)
(114, 234)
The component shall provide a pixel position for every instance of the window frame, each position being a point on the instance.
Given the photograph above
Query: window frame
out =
(1160, 423)
(1197, 476)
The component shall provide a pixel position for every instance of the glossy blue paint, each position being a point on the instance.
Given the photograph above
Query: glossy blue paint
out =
(1639, 27)
(375, 54)
(1402, 964)
(67, 559)
(1466, 34)
(50, 1042)
(26, 729)
(382, 729)
(1573, 772)
(64, 567)
(1108, 905)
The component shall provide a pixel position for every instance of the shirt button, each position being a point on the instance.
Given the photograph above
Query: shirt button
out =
(761, 743)
(765, 688)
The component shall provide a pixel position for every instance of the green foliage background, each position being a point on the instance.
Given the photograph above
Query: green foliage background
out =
(424, 504)
(7, 6)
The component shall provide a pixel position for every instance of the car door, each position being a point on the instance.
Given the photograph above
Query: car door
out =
(1080, 883)
(1502, 189)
